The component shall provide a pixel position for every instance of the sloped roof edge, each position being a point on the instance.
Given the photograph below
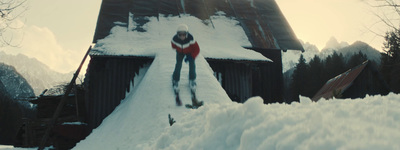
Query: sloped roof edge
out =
(339, 83)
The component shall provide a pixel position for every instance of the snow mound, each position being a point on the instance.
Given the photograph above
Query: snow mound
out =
(371, 123)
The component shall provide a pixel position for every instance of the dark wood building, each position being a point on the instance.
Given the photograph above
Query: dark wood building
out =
(355, 83)
(109, 77)
(69, 129)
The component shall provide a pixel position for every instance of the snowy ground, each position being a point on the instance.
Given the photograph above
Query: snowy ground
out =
(370, 123)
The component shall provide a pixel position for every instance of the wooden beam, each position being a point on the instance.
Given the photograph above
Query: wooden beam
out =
(62, 103)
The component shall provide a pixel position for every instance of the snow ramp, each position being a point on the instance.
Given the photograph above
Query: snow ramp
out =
(143, 115)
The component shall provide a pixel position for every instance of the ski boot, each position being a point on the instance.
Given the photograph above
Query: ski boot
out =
(195, 103)
(192, 85)
(175, 86)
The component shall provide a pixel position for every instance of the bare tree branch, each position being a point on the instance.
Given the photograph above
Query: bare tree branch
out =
(388, 14)
(10, 11)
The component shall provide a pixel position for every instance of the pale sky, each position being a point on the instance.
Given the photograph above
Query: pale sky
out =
(58, 33)
(316, 21)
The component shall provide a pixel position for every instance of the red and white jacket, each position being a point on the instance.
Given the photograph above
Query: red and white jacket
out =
(187, 46)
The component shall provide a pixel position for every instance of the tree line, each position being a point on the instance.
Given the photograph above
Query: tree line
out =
(308, 78)
(11, 114)
(390, 66)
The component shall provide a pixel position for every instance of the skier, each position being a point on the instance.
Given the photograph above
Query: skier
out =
(186, 48)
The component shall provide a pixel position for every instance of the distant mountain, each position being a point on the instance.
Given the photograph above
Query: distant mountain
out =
(358, 46)
(3, 91)
(291, 58)
(372, 53)
(38, 75)
(13, 84)
(333, 43)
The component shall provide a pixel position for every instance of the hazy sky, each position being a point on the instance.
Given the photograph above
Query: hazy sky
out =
(58, 33)
(315, 21)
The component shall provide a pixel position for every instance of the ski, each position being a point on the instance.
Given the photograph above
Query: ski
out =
(195, 102)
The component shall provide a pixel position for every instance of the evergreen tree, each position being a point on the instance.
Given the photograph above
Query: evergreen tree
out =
(326, 74)
(299, 80)
(356, 60)
(334, 65)
(11, 114)
(10, 119)
(316, 69)
(390, 60)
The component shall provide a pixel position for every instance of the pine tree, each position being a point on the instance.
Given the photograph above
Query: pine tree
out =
(356, 60)
(334, 65)
(10, 119)
(316, 69)
(299, 80)
(390, 60)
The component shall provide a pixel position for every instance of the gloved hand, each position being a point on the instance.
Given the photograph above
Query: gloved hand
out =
(188, 58)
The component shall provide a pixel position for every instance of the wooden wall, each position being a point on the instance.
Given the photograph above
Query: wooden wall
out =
(245, 79)
(107, 81)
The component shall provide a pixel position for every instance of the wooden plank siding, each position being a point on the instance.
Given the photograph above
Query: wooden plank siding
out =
(235, 77)
(268, 82)
(244, 79)
(107, 81)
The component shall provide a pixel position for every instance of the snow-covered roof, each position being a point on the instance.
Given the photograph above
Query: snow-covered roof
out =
(223, 39)
(262, 20)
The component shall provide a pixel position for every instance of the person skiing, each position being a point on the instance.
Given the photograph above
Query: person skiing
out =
(186, 48)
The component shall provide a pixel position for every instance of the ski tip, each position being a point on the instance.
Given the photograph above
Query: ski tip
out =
(178, 103)
(194, 107)
(189, 106)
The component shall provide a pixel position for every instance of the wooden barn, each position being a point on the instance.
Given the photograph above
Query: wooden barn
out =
(69, 128)
(357, 82)
(111, 75)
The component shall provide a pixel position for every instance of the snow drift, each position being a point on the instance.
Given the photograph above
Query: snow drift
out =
(370, 123)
